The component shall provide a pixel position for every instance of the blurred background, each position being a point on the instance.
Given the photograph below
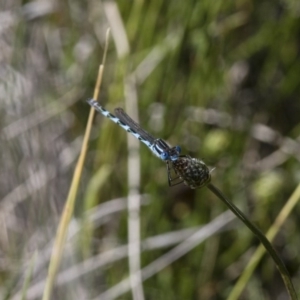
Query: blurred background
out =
(219, 78)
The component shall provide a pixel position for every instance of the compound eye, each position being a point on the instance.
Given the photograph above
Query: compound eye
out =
(178, 149)
(164, 156)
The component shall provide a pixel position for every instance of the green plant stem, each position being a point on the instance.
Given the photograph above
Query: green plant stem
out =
(279, 263)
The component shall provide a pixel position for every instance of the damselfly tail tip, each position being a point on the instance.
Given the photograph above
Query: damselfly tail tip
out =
(91, 101)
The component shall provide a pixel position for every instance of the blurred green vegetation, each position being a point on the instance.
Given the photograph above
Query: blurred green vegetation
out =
(225, 86)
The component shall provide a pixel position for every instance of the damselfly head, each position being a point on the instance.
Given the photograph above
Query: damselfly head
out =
(174, 153)
(171, 154)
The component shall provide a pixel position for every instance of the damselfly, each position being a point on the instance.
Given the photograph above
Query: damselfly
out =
(181, 168)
